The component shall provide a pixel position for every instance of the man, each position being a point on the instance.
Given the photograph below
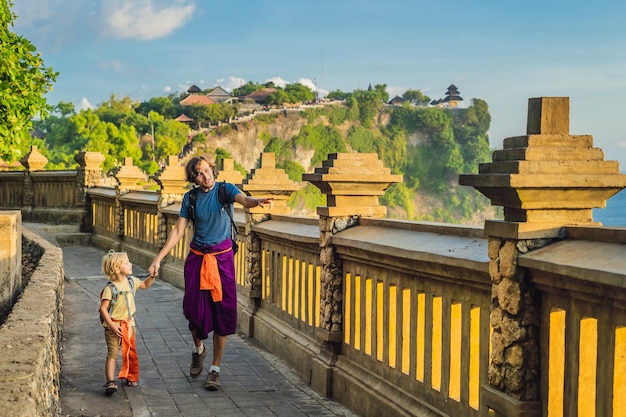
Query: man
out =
(210, 299)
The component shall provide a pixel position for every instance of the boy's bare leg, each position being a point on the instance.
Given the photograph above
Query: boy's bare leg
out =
(109, 369)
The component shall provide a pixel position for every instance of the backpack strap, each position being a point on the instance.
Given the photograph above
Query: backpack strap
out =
(115, 292)
(222, 197)
(193, 193)
(131, 284)
(226, 205)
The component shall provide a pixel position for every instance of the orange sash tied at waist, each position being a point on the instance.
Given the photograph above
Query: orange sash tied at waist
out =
(130, 361)
(210, 273)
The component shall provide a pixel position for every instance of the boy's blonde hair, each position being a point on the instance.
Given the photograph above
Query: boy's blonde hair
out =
(111, 263)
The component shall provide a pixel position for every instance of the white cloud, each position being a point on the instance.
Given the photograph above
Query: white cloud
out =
(321, 93)
(167, 89)
(307, 83)
(230, 83)
(85, 104)
(278, 81)
(144, 19)
(312, 84)
(621, 144)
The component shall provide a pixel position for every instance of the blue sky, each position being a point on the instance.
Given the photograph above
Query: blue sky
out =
(498, 51)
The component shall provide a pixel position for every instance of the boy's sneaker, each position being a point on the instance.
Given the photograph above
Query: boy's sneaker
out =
(212, 382)
(197, 362)
(109, 388)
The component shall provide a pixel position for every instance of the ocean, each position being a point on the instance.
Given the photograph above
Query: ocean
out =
(614, 214)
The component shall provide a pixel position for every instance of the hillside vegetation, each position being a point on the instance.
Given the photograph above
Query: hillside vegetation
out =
(428, 146)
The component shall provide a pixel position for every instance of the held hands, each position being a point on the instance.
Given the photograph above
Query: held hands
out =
(153, 270)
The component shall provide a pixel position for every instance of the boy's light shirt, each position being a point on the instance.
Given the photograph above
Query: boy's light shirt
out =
(120, 311)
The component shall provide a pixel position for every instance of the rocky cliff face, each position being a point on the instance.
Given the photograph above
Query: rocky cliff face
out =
(244, 143)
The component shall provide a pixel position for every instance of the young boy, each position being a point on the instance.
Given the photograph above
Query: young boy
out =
(117, 308)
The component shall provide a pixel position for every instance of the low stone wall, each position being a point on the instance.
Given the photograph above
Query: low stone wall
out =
(31, 340)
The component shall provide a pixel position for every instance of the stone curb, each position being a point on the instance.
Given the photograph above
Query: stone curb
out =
(31, 340)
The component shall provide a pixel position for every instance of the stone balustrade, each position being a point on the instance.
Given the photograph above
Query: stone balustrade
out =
(545, 180)
(524, 317)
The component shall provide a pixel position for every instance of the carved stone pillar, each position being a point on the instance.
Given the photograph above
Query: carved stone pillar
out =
(545, 180)
(128, 178)
(266, 181)
(89, 175)
(173, 183)
(352, 183)
(228, 173)
(34, 161)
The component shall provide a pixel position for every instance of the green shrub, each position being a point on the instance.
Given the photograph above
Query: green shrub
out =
(293, 169)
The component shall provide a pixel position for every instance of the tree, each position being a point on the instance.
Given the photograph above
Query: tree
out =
(24, 79)
(369, 102)
(65, 109)
(170, 136)
(299, 93)
(55, 126)
(416, 97)
(119, 111)
(278, 97)
(337, 95)
(471, 132)
(200, 113)
(353, 108)
(166, 106)
(247, 88)
(383, 95)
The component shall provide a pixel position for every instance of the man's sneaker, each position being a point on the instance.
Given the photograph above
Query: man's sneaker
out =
(197, 362)
(212, 382)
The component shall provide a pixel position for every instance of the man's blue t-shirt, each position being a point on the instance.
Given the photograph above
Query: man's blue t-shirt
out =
(212, 224)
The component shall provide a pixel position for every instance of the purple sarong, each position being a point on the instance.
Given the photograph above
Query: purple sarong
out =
(201, 312)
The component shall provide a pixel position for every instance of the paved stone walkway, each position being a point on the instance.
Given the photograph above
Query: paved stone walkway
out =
(253, 382)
